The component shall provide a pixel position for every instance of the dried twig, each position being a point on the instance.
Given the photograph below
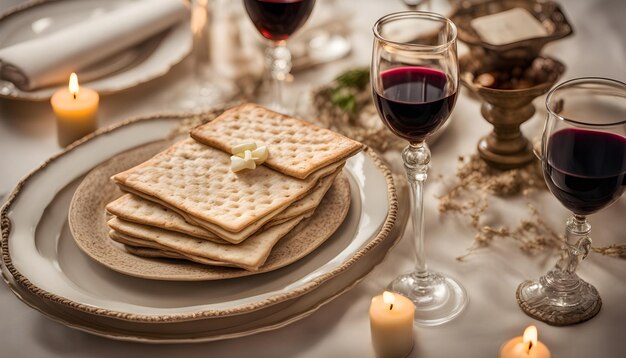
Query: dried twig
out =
(469, 197)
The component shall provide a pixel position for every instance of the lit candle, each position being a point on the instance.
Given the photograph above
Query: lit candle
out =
(527, 346)
(391, 323)
(76, 111)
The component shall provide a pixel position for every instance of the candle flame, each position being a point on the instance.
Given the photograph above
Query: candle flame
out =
(199, 16)
(73, 86)
(389, 298)
(530, 338)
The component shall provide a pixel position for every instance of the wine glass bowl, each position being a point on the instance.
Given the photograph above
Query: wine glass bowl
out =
(583, 155)
(277, 20)
(584, 145)
(414, 73)
(415, 80)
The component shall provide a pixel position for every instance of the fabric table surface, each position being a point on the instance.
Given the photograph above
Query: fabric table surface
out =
(341, 327)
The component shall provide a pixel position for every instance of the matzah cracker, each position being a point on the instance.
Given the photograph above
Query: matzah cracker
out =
(249, 255)
(311, 200)
(135, 209)
(296, 148)
(236, 237)
(197, 180)
(154, 253)
(146, 248)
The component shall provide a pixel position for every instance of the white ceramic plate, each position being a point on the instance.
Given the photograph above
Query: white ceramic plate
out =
(144, 62)
(43, 258)
(274, 317)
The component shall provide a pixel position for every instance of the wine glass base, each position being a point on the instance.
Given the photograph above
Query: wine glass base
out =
(277, 108)
(437, 298)
(561, 303)
(267, 99)
(201, 96)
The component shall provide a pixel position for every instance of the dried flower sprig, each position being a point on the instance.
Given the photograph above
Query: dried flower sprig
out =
(470, 197)
(345, 105)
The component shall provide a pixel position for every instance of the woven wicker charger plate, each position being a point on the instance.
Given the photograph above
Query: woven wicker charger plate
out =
(40, 256)
(87, 221)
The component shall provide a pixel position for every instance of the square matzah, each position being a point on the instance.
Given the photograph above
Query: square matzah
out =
(197, 180)
(296, 148)
(249, 255)
(135, 209)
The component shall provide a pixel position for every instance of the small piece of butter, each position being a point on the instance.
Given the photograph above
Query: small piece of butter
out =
(239, 164)
(247, 156)
(260, 155)
(240, 148)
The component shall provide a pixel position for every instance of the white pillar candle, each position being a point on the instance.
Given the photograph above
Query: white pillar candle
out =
(527, 346)
(391, 324)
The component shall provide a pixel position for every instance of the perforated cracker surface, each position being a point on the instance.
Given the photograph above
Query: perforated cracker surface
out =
(296, 148)
(136, 209)
(197, 180)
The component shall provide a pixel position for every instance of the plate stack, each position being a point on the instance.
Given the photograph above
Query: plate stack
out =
(167, 241)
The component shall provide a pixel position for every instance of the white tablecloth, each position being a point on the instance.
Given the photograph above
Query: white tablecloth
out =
(341, 328)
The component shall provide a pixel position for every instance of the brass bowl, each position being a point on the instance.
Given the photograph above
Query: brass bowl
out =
(548, 13)
(506, 109)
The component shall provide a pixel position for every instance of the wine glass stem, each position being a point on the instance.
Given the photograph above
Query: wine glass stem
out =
(578, 244)
(416, 157)
(200, 25)
(278, 59)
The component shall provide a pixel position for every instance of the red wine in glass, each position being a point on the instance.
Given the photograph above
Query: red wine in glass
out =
(414, 83)
(585, 169)
(276, 20)
(415, 102)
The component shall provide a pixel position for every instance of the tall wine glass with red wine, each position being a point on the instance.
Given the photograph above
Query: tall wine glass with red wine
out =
(276, 20)
(415, 79)
(584, 164)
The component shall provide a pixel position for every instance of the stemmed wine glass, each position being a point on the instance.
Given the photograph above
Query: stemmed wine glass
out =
(415, 79)
(439, 6)
(583, 154)
(415, 4)
(276, 20)
(206, 88)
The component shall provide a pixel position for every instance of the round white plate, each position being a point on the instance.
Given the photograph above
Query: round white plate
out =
(144, 62)
(211, 329)
(43, 258)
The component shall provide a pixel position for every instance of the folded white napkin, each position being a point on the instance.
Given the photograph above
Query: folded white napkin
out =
(50, 59)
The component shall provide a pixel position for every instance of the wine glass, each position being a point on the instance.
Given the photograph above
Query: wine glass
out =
(583, 152)
(416, 4)
(205, 89)
(444, 7)
(415, 79)
(276, 20)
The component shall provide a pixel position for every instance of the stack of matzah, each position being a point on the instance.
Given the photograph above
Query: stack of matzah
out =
(187, 203)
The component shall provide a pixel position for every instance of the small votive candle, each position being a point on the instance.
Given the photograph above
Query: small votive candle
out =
(391, 324)
(76, 111)
(527, 346)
